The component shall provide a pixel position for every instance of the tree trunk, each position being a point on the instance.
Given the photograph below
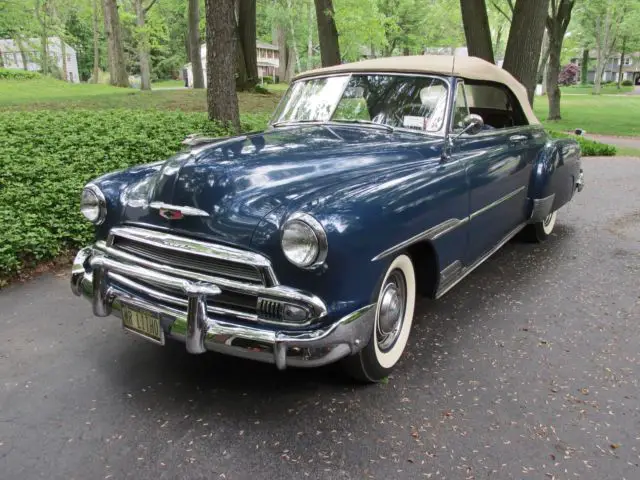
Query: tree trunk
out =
(584, 69)
(96, 43)
(557, 24)
(23, 53)
(476, 29)
(620, 70)
(310, 35)
(143, 47)
(544, 59)
(291, 62)
(293, 36)
(44, 36)
(194, 44)
(525, 39)
(222, 100)
(63, 52)
(112, 29)
(327, 33)
(496, 45)
(283, 51)
(247, 42)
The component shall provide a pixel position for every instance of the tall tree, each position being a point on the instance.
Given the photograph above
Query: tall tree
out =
(222, 100)
(327, 33)
(525, 41)
(117, 69)
(557, 23)
(43, 14)
(248, 60)
(96, 43)
(143, 44)
(194, 43)
(476, 29)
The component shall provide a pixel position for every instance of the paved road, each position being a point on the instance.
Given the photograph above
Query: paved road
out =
(528, 369)
(628, 142)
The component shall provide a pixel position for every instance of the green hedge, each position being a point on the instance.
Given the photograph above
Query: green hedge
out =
(12, 74)
(589, 148)
(47, 156)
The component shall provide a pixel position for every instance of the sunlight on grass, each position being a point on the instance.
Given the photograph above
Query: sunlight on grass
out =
(595, 114)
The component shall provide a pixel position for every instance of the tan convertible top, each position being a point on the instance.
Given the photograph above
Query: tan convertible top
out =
(471, 68)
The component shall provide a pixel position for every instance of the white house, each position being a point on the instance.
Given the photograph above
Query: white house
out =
(12, 58)
(268, 62)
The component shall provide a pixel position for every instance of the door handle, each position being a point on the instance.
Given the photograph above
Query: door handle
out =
(518, 138)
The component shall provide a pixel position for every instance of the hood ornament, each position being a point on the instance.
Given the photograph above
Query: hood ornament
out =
(177, 212)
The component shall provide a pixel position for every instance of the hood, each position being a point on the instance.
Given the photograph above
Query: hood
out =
(238, 181)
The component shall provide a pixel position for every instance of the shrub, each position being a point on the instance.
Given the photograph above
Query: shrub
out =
(569, 74)
(589, 148)
(46, 157)
(627, 83)
(14, 74)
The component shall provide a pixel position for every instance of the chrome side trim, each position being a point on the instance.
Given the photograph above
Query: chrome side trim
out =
(450, 271)
(431, 234)
(444, 288)
(496, 203)
(185, 210)
(541, 208)
(278, 291)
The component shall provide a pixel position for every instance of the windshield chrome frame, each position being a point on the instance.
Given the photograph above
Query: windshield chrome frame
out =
(441, 132)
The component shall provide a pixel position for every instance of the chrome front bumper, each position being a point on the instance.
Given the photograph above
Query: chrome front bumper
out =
(201, 331)
(580, 181)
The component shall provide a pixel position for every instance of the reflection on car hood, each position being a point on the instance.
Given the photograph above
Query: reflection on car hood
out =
(239, 180)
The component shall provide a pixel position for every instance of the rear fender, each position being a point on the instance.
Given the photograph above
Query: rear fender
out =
(554, 178)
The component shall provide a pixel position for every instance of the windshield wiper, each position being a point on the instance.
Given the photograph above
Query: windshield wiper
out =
(388, 128)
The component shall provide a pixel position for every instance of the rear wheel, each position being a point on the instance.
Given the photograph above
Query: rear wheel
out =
(393, 319)
(540, 231)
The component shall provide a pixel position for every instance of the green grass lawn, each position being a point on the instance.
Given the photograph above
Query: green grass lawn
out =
(167, 83)
(588, 90)
(49, 94)
(595, 114)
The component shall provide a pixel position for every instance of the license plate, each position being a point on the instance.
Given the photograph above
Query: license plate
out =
(142, 322)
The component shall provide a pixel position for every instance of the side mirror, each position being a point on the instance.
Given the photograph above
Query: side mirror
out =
(473, 123)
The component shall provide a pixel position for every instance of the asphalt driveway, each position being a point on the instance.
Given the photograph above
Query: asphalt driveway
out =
(528, 369)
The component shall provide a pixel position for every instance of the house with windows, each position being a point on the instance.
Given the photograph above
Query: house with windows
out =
(26, 56)
(268, 62)
(630, 68)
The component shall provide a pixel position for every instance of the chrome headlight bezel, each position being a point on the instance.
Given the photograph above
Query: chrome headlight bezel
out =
(316, 236)
(92, 197)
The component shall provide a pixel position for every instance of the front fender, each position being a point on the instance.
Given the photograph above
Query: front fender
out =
(554, 177)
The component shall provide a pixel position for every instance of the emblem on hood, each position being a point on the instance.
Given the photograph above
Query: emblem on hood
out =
(176, 212)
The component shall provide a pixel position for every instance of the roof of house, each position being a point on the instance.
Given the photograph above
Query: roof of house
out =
(471, 68)
(9, 45)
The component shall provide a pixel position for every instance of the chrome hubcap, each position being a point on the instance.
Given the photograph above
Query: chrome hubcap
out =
(391, 312)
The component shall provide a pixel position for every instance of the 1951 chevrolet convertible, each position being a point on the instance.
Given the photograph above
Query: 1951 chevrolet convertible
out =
(307, 243)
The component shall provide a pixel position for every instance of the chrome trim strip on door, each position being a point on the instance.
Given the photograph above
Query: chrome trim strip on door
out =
(430, 234)
(443, 228)
(467, 270)
(496, 203)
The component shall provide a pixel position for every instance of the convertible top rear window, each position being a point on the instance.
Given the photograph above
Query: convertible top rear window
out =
(400, 101)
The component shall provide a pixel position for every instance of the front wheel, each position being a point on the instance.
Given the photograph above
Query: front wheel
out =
(540, 231)
(393, 319)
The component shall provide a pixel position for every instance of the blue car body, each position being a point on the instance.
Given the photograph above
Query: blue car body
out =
(448, 202)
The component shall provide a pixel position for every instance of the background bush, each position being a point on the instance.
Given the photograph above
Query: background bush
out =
(11, 74)
(589, 148)
(46, 157)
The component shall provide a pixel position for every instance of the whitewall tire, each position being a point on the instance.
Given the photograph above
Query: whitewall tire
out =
(393, 319)
(540, 231)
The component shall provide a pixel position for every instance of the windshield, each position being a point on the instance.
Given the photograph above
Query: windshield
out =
(410, 102)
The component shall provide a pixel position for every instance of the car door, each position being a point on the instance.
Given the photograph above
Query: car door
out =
(497, 168)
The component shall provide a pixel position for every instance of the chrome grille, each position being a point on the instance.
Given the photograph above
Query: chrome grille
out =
(190, 261)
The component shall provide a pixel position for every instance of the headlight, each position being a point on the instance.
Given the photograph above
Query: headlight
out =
(304, 241)
(93, 204)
